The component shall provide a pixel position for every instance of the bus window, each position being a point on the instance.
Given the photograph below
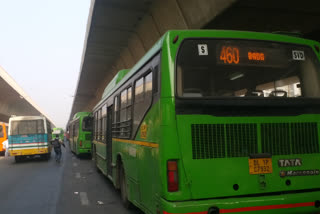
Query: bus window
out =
(87, 123)
(115, 125)
(139, 91)
(99, 132)
(27, 127)
(129, 104)
(1, 131)
(148, 86)
(249, 69)
(123, 105)
(96, 126)
(104, 122)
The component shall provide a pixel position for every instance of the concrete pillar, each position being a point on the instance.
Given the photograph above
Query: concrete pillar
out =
(199, 13)
(127, 58)
(167, 15)
(119, 65)
(136, 47)
(148, 32)
(164, 15)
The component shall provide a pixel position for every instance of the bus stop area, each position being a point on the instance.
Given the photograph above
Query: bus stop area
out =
(141, 139)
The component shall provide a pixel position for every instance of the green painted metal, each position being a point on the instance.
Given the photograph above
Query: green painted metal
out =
(113, 83)
(205, 182)
(81, 143)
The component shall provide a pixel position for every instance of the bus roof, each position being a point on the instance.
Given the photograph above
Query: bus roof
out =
(17, 118)
(230, 34)
(81, 114)
(120, 78)
(116, 79)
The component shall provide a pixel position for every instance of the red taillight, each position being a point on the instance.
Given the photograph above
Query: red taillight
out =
(80, 143)
(173, 182)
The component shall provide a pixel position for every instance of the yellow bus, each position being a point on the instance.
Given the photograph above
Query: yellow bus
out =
(3, 136)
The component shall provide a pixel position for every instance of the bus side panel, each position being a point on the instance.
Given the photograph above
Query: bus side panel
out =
(86, 139)
(140, 158)
(128, 154)
(100, 156)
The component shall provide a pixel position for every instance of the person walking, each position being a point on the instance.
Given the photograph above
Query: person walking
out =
(56, 143)
(5, 145)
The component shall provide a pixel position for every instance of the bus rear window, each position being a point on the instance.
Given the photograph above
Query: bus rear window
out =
(242, 68)
(87, 124)
(27, 127)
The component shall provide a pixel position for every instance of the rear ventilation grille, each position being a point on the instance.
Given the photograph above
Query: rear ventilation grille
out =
(293, 138)
(219, 140)
(239, 140)
(208, 141)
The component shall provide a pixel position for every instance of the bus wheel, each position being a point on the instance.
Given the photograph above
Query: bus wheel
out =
(124, 189)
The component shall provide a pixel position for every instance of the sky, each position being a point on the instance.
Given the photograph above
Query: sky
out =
(41, 44)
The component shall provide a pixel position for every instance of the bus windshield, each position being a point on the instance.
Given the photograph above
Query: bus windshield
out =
(24, 127)
(243, 68)
(87, 123)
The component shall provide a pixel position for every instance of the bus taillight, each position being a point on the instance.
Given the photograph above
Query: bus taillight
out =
(173, 182)
(80, 143)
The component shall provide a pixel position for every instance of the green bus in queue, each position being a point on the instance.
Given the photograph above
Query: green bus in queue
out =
(215, 122)
(58, 131)
(80, 133)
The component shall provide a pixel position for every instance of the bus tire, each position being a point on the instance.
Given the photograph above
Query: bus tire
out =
(124, 189)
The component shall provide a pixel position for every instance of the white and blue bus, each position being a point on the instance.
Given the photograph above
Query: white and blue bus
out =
(29, 136)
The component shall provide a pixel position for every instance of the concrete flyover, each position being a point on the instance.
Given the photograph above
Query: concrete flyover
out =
(14, 101)
(119, 32)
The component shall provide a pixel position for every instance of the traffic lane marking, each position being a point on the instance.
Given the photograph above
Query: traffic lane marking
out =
(78, 175)
(84, 199)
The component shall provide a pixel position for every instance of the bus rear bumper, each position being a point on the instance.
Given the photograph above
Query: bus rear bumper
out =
(308, 202)
(84, 150)
(28, 152)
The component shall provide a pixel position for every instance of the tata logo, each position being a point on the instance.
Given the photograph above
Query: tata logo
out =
(289, 162)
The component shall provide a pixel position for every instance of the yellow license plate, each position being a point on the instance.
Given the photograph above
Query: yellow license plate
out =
(260, 166)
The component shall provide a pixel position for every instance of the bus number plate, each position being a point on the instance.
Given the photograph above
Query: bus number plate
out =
(260, 166)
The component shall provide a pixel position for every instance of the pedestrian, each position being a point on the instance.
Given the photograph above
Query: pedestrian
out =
(56, 143)
(5, 145)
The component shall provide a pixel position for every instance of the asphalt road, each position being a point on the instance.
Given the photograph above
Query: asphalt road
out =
(45, 187)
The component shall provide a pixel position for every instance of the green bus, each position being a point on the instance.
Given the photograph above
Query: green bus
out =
(214, 121)
(80, 133)
(58, 131)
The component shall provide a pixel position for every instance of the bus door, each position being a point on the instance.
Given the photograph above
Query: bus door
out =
(109, 140)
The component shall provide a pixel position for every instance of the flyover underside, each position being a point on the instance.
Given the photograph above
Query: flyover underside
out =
(13, 101)
(121, 33)
(271, 16)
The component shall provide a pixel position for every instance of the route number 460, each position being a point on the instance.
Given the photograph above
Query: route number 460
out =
(229, 55)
